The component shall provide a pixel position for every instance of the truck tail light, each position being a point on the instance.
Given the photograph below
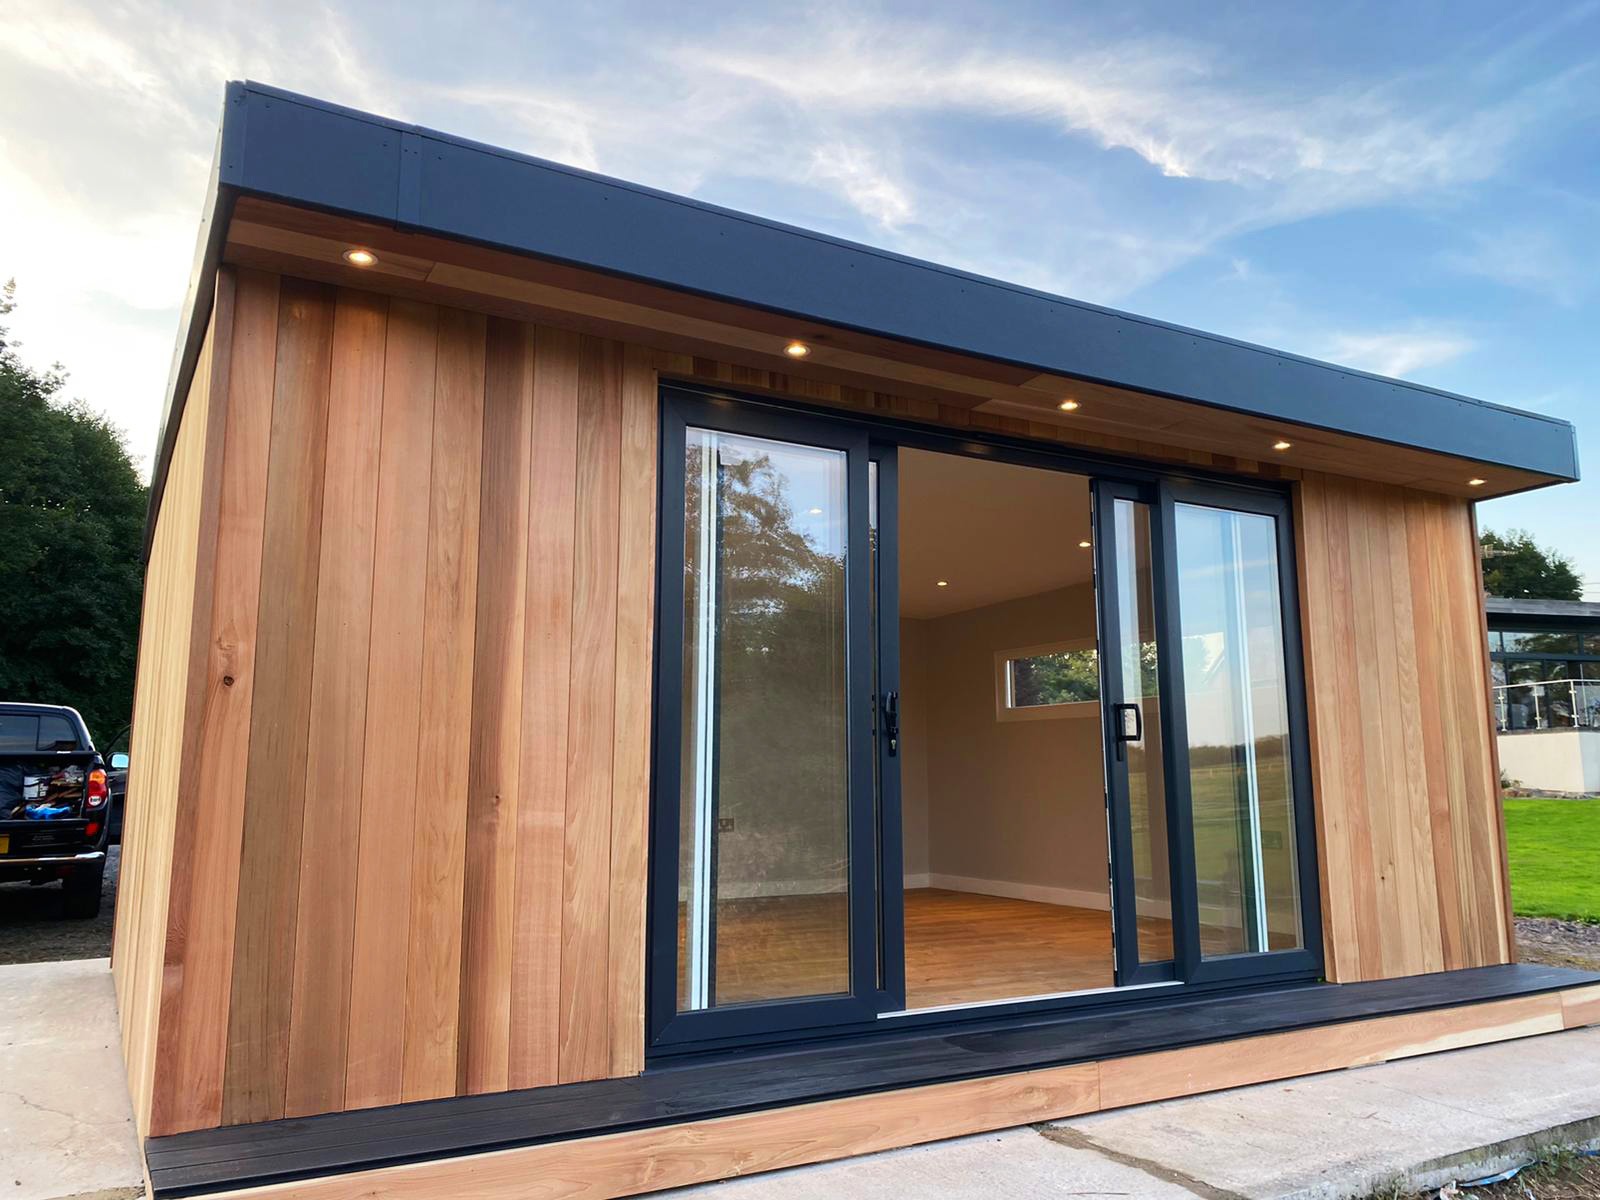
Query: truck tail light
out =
(92, 829)
(97, 788)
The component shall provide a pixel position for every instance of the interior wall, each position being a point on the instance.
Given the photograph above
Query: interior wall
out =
(411, 862)
(1018, 803)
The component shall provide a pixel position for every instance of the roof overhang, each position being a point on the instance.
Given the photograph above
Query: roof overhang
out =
(1506, 613)
(309, 154)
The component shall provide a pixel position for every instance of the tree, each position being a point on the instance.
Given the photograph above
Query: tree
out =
(1515, 567)
(71, 526)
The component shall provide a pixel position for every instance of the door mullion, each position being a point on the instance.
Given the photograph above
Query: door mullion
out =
(859, 740)
(890, 830)
(1175, 735)
(1124, 900)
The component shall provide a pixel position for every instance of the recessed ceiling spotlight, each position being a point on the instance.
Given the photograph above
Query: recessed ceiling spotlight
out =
(357, 257)
(943, 583)
(797, 349)
(1084, 545)
(1280, 444)
(1476, 482)
(1068, 405)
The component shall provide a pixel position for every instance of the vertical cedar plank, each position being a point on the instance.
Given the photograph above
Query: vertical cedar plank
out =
(1407, 928)
(488, 918)
(1508, 945)
(269, 868)
(333, 769)
(1456, 767)
(630, 765)
(1325, 725)
(1349, 562)
(265, 967)
(192, 1035)
(433, 970)
(170, 686)
(1375, 616)
(377, 869)
(1472, 732)
(1418, 831)
(541, 815)
(1432, 652)
(585, 926)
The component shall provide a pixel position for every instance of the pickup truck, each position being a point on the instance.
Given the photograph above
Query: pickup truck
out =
(54, 803)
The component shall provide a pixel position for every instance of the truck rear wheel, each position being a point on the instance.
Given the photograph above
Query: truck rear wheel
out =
(82, 889)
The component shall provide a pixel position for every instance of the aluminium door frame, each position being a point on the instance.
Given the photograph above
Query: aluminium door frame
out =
(1193, 974)
(681, 410)
(1130, 969)
(1260, 966)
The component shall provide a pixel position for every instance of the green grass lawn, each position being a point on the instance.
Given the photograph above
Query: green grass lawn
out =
(1554, 847)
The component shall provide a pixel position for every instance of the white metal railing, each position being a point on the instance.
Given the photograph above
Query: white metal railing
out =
(1551, 704)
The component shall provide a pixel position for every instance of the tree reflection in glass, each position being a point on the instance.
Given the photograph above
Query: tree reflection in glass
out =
(763, 872)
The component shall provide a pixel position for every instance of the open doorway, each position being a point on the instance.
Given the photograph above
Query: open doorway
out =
(1002, 775)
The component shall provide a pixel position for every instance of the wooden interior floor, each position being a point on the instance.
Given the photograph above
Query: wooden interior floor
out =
(965, 948)
(961, 948)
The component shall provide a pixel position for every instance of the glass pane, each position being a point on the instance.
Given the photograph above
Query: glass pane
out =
(1055, 677)
(763, 801)
(1236, 700)
(56, 733)
(1147, 793)
(19, 733)
(1541, 643)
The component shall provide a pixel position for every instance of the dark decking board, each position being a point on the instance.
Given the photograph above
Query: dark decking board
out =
(239, 1156)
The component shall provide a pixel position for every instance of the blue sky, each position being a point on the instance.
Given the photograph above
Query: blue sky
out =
(1409, 189)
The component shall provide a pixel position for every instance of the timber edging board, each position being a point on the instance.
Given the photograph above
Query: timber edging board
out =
(871, 1094)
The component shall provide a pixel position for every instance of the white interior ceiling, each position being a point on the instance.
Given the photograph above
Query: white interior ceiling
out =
(991, 530)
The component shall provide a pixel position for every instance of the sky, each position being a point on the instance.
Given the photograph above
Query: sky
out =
(1410, 189)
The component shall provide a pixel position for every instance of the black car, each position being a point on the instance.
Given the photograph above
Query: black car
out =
(55, 804)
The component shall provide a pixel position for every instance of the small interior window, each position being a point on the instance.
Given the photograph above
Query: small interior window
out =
(1047, 681)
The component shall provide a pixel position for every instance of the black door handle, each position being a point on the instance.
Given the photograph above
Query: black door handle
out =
(1124, 731)
(889, 707)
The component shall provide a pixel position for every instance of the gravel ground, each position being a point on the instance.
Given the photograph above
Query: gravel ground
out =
(1560, 1176)
(33, 928)
(1558, 943)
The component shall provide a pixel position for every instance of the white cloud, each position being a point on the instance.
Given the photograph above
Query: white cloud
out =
(1529, 259)
(1395, 353)
(863, 181)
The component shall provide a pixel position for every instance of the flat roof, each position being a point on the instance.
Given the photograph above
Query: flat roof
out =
(310, 153)
(1504, 613)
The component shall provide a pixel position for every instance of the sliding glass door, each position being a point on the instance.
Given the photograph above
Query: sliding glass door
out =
(767, 809)
(1244, 810)
(781, 869)
(1145, 927)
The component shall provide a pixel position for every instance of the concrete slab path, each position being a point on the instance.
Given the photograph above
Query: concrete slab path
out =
(66, 1126)
(1343, 1134)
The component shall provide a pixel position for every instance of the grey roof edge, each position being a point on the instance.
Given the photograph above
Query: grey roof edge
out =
(309, 152)
(1562, 610)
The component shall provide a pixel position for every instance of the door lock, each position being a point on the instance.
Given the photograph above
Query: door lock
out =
(889, 709)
